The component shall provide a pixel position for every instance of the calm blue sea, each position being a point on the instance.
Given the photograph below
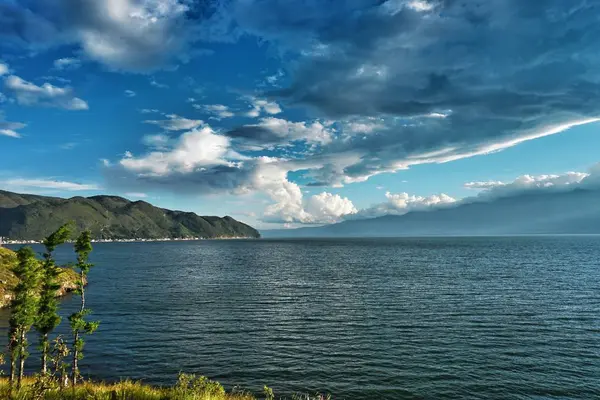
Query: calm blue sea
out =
(422, 318)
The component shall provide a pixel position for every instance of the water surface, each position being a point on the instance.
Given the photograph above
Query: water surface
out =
(434, 318)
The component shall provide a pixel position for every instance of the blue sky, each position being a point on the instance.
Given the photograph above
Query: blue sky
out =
(284, 113)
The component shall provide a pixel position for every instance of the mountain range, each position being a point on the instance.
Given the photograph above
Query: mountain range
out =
(32, 217)
(536, 212)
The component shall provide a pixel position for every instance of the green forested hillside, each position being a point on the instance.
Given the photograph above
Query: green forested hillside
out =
(31, 217)
(8, 280)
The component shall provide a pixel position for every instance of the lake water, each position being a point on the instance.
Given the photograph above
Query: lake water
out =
(434, 318)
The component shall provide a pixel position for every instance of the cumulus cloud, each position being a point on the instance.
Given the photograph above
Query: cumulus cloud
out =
(271, 130)
(4, 70)
(327, 208)
(260, 106)
(48, 183)
(527, 183)
(425, 69)
(47, 95)
(405, 82)
(203, 161)
(122, 34)
(67, 63)
(218, 111)
(194, 149)
(176, 123)
(290, 206)
(129, 93)
(402, 203)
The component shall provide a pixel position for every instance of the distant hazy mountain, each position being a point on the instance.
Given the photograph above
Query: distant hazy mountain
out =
(573, 212)
(25, 216)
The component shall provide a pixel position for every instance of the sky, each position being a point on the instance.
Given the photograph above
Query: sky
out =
(289, 113)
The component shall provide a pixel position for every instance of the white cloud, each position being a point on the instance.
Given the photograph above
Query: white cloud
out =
(192, 150)
(258, 106)
(155, 83)
(273, 79)
(495, 189)
(67, 63)
(157, 141)
(363, 126)
(10, 129)
(219, 111)
(271, 130)
(327, 208)
(47, 95)
(47, 183)
(9, 133)
(420, 5)
(313, 132)
(4, 70)
(149, 111)
(402, 203)
(136, 194)
(132, 35)
(289, 205)
(176, 123)
(129, 93)
(56, 78)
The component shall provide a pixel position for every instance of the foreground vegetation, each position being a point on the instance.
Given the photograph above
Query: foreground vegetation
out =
(34, 307)
(188, 387)
(67, 278)
(34, 284)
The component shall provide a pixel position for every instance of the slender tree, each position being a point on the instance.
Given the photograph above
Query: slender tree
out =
(60, 351)
(48, 318)
(79, 326)
(23, 311)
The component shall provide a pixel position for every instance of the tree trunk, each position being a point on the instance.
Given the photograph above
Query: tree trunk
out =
(45, 348)
(76, 338)
(75, 359)
(21, 358)
(13, 356)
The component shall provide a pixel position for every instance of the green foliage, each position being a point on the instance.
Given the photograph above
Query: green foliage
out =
(24, 305)
(47, 315)
(107, 217)
(190, 386)
(58, 237)
(126, 390)
(79, 325)
(8, 281)
(59, 352)
(268, 392)
(23, 309)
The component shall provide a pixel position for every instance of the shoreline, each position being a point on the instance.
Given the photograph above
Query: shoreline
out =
(135, 240)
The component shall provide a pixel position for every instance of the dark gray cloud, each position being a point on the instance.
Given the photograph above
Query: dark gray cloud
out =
(443, 79)
(254, 133)
(501, 71)
(208, 180)
(132, 35)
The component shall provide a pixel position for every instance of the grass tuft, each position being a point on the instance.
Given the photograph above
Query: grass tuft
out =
(188, 387)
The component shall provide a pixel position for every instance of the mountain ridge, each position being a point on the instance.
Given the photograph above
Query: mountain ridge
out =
(32, 217)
